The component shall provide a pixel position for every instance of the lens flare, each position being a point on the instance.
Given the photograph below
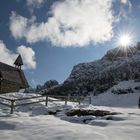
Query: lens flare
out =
(125, 40)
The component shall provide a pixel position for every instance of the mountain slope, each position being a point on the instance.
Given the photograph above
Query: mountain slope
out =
(117, 65)
(127, 98)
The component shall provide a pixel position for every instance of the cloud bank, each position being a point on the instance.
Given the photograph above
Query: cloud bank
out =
(27, 53)
(72, 23)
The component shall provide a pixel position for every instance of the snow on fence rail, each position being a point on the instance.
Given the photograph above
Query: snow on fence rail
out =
(46, 98)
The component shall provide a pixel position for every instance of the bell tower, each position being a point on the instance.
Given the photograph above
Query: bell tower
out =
(18, 63)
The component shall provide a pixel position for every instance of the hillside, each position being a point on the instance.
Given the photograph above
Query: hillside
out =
(124, 94)
(117, 65)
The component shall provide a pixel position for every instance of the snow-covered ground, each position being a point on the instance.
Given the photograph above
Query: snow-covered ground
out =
(113, 100)
(33, 122)
(53, 128)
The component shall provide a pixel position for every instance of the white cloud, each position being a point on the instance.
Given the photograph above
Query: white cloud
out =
(28, 56)
(8, 57)
(73, 22)
(18, 25)
(80, 22)
(35, 3)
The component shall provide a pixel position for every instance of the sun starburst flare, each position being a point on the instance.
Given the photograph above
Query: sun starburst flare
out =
(125, 41)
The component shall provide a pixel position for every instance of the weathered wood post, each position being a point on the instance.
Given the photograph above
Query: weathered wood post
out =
(79, 100)
(139, 103)
(90, 99)
(46, 102)
(66, 100)
(12, 106)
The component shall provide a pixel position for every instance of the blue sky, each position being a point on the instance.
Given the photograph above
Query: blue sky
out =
(54, 35)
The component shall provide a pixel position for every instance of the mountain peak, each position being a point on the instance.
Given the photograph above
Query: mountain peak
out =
(117, 65)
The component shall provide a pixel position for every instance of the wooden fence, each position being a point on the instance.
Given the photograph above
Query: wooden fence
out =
(14, 102)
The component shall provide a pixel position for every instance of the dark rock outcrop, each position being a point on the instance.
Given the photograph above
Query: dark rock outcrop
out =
(97, 113)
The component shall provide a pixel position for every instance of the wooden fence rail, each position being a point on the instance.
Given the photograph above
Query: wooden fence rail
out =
(45, 99)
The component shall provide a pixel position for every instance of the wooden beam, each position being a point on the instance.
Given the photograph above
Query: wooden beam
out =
(5, 104)
(29, 103)
(5, 98)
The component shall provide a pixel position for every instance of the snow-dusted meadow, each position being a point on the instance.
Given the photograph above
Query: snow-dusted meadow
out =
(33, 122)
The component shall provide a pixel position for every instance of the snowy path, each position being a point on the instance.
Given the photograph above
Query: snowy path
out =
(46, 127)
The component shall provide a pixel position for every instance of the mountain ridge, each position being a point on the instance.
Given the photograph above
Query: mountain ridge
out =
(116, 65)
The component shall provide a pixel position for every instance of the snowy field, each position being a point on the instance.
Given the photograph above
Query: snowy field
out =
(33, 122)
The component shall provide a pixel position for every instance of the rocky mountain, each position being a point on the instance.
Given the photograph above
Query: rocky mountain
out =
(117, 65)
(46, 86)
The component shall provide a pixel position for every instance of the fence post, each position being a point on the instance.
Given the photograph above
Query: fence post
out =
(79, 101)
(12, 106)
(66, 101)
(46, 102)
(89, 99)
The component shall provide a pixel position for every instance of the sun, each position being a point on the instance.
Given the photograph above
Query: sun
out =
(125, 40)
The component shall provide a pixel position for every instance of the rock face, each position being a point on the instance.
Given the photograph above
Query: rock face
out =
(117, 65)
